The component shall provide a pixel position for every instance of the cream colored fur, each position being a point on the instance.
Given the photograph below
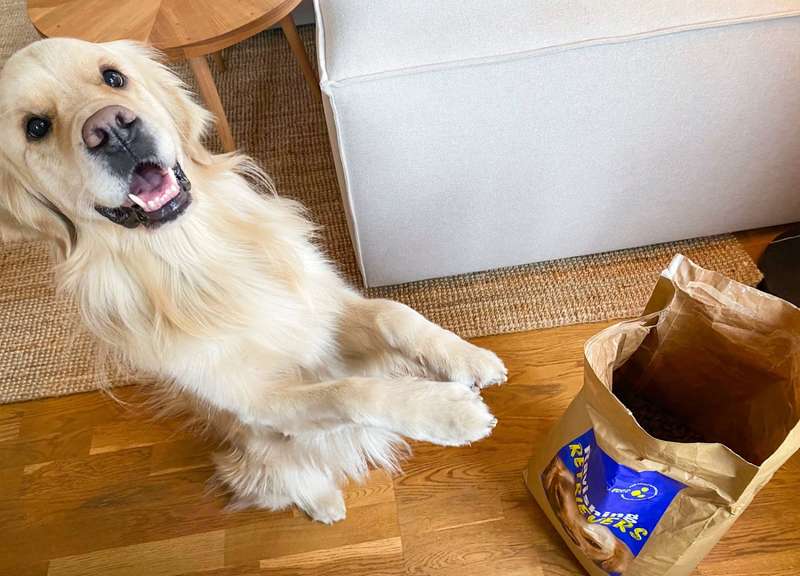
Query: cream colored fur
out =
(232, 303)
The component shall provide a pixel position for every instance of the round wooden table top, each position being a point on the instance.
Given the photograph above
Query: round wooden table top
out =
(179, 28)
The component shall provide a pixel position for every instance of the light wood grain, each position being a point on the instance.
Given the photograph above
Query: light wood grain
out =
(208, 91)
(129, 432)
(163, 558)
(93, 487)
(373, 557)
(219, 61)
(176, 27)
(9, 427)
(300, 54)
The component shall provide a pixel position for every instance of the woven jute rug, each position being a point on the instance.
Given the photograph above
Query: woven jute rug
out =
(43, 352)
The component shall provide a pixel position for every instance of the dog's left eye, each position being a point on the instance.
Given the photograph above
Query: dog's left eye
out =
(113, 78)
(37, 127)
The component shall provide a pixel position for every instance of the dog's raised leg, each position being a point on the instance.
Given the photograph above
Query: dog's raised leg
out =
(402, 329)
(271, 469)
(444, 413)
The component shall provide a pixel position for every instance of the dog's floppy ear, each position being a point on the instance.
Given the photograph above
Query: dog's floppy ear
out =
(26, 215)
(11, 230)
(189, 117)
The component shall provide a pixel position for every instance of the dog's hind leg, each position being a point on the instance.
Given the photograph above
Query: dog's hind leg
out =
(250, 473)
(367, 323)
(263, 471)
(318, 496)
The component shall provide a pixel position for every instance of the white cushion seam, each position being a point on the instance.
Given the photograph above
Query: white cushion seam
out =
(554, 49)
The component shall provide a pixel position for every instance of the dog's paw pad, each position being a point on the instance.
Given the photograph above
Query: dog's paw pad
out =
(475, 366)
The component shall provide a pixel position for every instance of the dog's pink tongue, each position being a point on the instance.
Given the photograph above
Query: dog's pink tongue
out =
(151, 187)
(146, 179)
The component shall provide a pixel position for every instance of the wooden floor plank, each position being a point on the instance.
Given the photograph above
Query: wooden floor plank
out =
(9, 426)
(273, 538)
(468, 506)
(204, 551)
(374, 557)
(131, 432)
(57, 446)
(178, 455)
(499, 546)
(377, 489)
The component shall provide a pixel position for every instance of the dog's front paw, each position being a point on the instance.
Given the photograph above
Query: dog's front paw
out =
(448, 414)
(474, 366)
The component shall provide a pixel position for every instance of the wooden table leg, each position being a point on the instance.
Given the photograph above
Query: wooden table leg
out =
(296, 44)
(219, 60)
(208, 90)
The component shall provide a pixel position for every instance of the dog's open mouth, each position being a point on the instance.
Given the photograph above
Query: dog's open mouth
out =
(155, 195)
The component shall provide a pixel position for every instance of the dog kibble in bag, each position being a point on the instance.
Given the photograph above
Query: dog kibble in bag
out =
(685, 414)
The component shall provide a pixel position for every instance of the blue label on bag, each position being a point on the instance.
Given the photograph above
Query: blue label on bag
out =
(608, 510)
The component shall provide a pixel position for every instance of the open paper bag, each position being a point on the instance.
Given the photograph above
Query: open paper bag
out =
(710, 378)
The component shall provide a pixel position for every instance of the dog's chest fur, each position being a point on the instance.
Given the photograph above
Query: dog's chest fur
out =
(233, 291)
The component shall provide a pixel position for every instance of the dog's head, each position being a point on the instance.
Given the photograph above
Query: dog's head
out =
(93, 133)
(604, 549)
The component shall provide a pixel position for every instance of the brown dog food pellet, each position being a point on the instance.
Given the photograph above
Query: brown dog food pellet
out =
(657, 421)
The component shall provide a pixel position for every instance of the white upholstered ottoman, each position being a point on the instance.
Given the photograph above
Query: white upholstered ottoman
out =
(474, 134)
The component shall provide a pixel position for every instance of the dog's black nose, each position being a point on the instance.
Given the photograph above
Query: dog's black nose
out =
(108, 126)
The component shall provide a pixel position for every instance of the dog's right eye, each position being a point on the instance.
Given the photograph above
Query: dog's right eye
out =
(37, 127)
(113, 78)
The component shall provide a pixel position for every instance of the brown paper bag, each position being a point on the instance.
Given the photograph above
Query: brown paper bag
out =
(711, 361)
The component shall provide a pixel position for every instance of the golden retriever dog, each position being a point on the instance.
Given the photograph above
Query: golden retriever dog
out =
(189, 267)
(596, 541)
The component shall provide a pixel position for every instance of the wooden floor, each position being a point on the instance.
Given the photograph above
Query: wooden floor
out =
(89, 487)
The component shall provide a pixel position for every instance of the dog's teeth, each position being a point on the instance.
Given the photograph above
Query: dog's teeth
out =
(138, 201)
